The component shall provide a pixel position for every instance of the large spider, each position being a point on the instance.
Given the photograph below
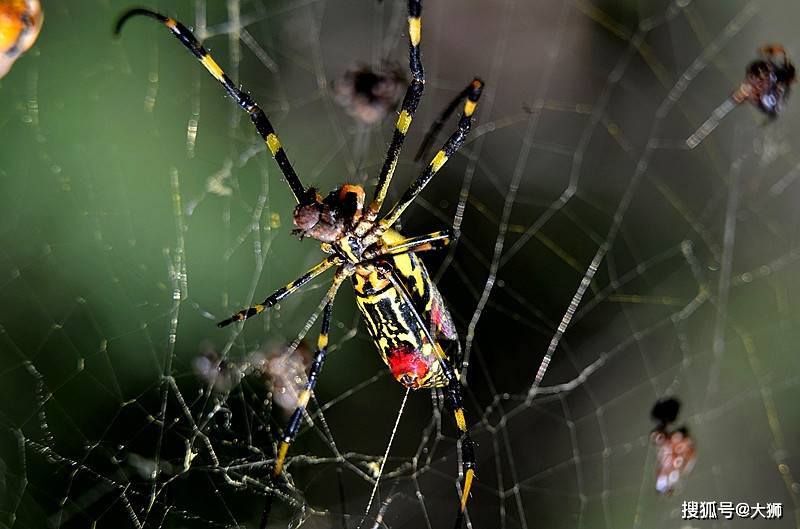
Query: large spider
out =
(403, 309)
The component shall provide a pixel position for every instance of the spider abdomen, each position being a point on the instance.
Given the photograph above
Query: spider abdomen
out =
(407, 319)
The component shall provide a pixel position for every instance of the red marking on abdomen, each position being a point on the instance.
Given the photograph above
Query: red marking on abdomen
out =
(407, 366)
(436, 315)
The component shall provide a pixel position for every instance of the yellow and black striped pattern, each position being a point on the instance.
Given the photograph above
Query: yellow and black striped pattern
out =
(282, 292)
(313, 376)
(403, 309)
(472, 94)
(398, 310)
(408, 108)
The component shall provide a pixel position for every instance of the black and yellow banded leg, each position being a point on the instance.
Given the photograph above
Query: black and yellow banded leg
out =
(422, 243)
(257, 115)
(313, 375)
(282, 292)
(455, 403)
(408, 108)
(433, 132)
(450, 147)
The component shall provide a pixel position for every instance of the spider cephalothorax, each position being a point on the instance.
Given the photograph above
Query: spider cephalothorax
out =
(327, 219)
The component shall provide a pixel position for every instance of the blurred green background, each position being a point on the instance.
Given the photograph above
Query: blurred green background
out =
(139, 207)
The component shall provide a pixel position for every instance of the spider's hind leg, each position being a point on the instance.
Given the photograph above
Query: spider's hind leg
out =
(313, 375)
(296, 420)
(455, 403)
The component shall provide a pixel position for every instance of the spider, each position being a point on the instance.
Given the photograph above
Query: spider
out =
(403, 310)
(676, 455)
(768, 81)
(20, 23)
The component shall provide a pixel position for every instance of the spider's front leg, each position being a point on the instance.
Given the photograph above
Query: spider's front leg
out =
(437, 126)
(257, 115)
(449, 148)
(407, 110)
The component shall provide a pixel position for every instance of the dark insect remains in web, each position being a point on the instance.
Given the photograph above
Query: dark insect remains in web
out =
(767, 84)
(370, 94)
(675, 451)
(768, 81)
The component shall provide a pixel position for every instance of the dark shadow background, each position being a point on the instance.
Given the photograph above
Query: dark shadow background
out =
(124, 237)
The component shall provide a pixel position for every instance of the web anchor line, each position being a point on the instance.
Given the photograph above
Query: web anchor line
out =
(385, 457)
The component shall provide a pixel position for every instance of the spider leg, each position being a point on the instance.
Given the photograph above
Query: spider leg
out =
(257, 115)
(455, 404)
(439, 123)
(408, 108)
(282, 292)
(313, 375)
(450, 147)
(422, 243)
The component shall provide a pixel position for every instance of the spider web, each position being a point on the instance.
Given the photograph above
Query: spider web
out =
(138, 208)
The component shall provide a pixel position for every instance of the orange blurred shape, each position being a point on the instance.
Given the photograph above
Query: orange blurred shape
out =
(20, 23)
